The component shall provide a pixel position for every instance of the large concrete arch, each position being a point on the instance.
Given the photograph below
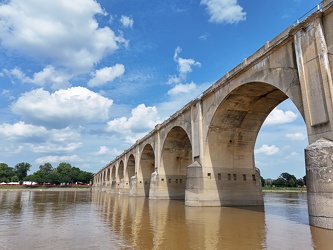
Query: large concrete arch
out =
(229, 150)
(120, 172)
(146, 169)
(176, 155)
(130, 170)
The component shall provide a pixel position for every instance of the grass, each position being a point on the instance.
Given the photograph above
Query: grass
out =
(284, 189)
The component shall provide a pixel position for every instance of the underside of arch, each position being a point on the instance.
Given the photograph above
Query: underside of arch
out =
(146, 168)
(236, 124)
(176, 157)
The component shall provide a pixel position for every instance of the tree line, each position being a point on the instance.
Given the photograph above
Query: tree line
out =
(63, 173)
(285, 180)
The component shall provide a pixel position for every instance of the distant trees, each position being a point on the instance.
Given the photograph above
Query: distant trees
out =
(288, 180)
(6, 172)
(18, 173)
(64, 173)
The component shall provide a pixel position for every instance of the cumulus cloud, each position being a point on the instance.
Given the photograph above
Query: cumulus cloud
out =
(62, 108)
(39, 139)
(297, 136)
(126, 21)
(143, 120)
(58, 159)
(182, 88)
(224, 11)
(63, 32)
(184, 65)
(104, 150)
(278, 116)
(22, 130)
(267, 150)
(48, 76)
(105, 75)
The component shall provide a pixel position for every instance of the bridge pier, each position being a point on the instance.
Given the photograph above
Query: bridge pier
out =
(319, 181)
(222, 187)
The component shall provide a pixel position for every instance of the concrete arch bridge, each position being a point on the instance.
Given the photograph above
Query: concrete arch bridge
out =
(204, 153)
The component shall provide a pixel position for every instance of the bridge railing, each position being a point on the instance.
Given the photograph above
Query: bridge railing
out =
(317, 7)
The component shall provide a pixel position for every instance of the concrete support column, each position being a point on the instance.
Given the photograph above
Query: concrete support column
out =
(319, 181)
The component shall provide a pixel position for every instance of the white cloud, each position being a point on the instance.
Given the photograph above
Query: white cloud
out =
(184, 65)
(182, 88)
(107, 74)
(48, 76)
(62, 32)
(292, 155)
(278, 116)
(40, 140)
(224, 11)
(297, 136)
(21, 130)
(126, 21)
(52, 147)
(143, 120)
(103, 150)
(267, 150)
(62, 108)
(56, 159)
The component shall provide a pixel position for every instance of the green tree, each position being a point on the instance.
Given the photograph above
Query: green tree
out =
(21, 170)
(6, 172)
(14, 179)
(300, 182)
(65, 172)
(46, 168)
(285, 180)
(85, 177)
(263, 182)
(304, 179)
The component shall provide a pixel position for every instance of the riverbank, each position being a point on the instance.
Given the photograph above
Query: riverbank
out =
(283, 189)
(44, 188)
(88, 188)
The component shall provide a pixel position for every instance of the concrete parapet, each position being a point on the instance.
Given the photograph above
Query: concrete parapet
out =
(319, 174)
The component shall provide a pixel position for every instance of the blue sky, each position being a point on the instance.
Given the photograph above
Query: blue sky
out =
(82, 80)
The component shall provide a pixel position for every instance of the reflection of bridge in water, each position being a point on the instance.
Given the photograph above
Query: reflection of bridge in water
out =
(204, 153)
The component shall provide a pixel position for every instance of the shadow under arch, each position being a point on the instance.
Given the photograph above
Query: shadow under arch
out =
(146, 168)
(175, 158)
(113, 177)
(231, 138)
(130, 170)
(120, 173)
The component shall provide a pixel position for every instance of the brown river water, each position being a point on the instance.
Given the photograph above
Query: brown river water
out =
(98, 220)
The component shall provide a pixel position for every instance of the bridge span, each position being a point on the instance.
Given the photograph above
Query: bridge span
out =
(204, 153)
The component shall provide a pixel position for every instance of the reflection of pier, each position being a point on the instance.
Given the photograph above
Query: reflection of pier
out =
(168, 224)
(204, 154)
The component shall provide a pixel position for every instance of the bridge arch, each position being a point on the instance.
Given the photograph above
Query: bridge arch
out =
(233, 130)
(146, 168)
(130, 169)
(113, 176)
(176, 156)
(121, 169)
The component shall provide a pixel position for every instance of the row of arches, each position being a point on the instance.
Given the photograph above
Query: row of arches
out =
(228, 138)
(125, 173)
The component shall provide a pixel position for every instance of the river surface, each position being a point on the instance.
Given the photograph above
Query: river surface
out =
(98, 220)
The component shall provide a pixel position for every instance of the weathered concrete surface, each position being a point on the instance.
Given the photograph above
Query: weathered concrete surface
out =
(319, 179)
(204, 153)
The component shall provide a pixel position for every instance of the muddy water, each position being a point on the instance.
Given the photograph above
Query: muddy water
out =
(85, 220)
